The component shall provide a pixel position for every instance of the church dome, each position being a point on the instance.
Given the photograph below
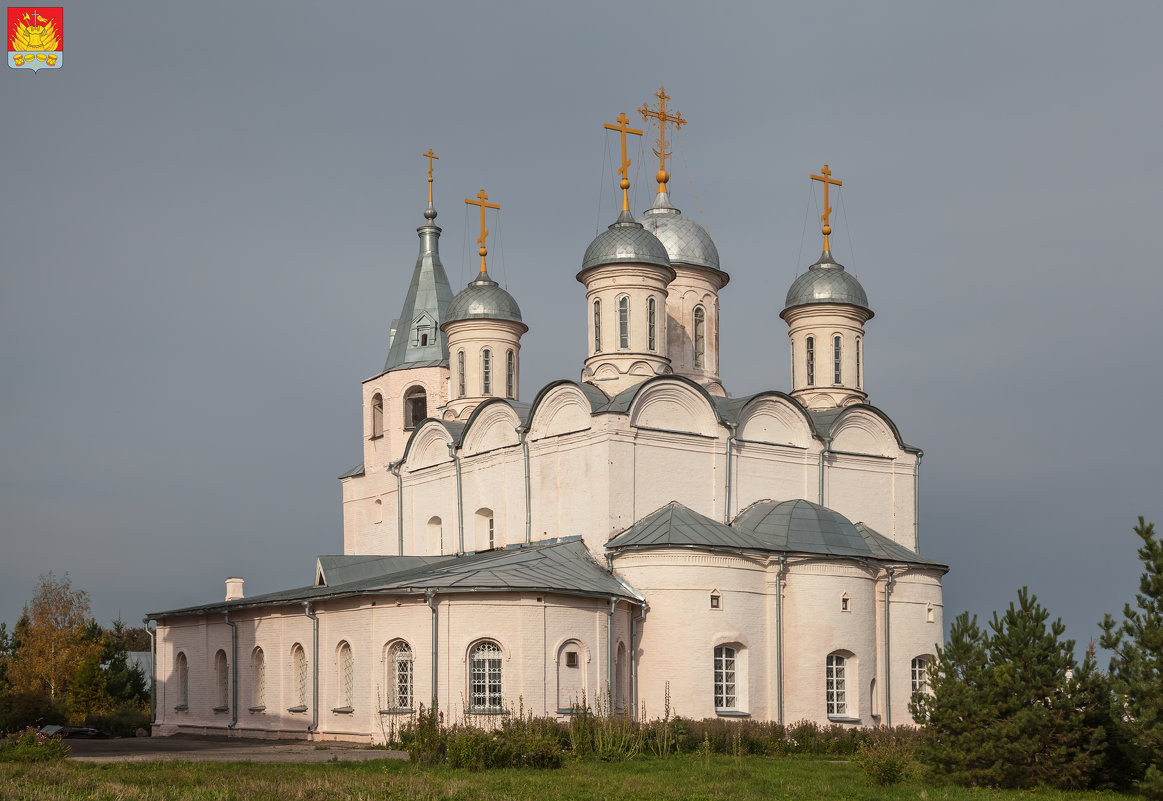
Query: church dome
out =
(483, 299)
(803, 526)
(826, 281)
(686, 241)
(625, 241)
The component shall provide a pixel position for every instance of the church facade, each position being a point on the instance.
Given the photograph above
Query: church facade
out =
(634, 535)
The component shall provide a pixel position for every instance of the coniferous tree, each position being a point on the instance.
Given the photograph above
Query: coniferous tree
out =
(1136, 667)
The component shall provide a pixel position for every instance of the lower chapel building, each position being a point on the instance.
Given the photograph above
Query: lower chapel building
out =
(637, 532)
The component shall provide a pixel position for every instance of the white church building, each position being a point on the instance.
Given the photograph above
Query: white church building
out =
(638, 532)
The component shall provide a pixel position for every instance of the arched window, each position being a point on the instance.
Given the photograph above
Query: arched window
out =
(725, 696)
(511, 375)
(182, 669)
(486, 372)
(222, 674)
(435, 536)
(258, 680)
(378, 511)
(793, 364)
(597, 326)
(299, 678)
(920, 674)
(836, 689)
(571, 675)
(623, 322)
(836, 340)
(700, 337)
(415, 407)
(377, 415)
(345, 678)
(460, 384)
(486, 532)
(399, 676)
(651, 325)
(484, 678)
(810, 352)
(859, 377)
(622, 675)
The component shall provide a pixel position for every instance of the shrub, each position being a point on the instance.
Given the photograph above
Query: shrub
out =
(886, 758)
(32, 746)
(20, 710)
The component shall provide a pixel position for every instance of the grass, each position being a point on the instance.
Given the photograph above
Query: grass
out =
(684, 778)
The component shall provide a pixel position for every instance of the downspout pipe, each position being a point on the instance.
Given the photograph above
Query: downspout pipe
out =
(459, 501)
(233, 670)
(779, 637)
(395, 468)
(610, 651)
(826, 450)
(152, 670)
(522, 432)
(727, 494)
(314, 727)
(634, 660)
(887, 645)
(430, 597)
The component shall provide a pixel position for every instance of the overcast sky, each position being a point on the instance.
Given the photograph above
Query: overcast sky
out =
(207, 221)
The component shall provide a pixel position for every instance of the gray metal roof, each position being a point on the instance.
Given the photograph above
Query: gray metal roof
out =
(483, 299)
(625, 241)
(353, 472)
(557, 567)
(336, 570)
(826, 281)
(686, 241)
(424, 307)
(675, 525)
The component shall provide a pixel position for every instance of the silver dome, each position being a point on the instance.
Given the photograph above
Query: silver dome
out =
(826, 281)
(483, 299)
(625, 241)
(686, 241)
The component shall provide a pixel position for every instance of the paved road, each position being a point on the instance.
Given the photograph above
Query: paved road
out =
(221, 749)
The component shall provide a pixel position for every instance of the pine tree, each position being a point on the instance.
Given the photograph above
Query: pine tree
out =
(1136, 667)
(87, 697)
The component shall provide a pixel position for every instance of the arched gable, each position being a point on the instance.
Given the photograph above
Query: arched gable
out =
(776, 420)
(860, 430)
(492, 425)
(564, 409)
(428, 445)
(674, 405)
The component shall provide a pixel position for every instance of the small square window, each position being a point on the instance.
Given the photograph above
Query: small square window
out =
(571, 658)
(844, 607)
(715, 603)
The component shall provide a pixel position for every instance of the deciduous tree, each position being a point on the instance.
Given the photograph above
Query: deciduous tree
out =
(53, 644)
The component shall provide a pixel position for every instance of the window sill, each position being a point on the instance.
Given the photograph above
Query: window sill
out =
(374, 437)
(257, 708)
(732, 713)
(221, 709)
(343, 710)
(398, 711)
(842, 719)
(182, 708)
(297, 710)
(497, 711)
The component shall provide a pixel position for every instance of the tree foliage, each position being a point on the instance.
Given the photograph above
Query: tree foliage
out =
(1136, 666)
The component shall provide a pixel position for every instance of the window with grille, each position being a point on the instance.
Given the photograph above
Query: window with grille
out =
(725, 697)
(486, 372)
(182, 668)
(346, 677)
(400, 674)
(836, 359)
(484, 685)
(460, 383)
(920, 672)
(651, 325)
(222, 672)
(700, 336)
(299, 675)
(597, 326)
(624, 322)
(510, 375)
(492, 534)
(258, 680)
(837, 696)
(810, 353)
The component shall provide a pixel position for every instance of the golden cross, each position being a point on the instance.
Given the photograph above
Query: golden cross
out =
(624, 128)
(430, 155)
(827, 180)
(480, 201)
(663, 118)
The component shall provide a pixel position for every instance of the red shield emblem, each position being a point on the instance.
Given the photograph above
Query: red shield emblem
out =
(36, 38)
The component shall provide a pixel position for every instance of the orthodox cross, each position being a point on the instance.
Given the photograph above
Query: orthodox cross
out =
(623, 127)
(481, 201)
(430, 155)
(827, 180)
(663, 118)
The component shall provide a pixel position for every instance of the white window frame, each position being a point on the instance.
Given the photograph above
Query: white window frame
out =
(400, 664)
(836, 686)
(837, 359)
(486, 372)
(597, 325)
(461, 382)
(299, 675)
(511, 375)
(652, 324)
(624, 322)
(258, 680)
(345, 675)
(486, 678)
(726, 666)
(810, 361)
(699, 337)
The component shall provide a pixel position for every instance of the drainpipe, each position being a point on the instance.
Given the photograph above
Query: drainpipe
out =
(917, 504)
(314, 727)
(779, 636)
(887, 658)
(727, 495)
(610, 650)
(395, 468)
(826, 450)
(521, 434)
(233, 670)
(634, 660)
(152, 671)
(459, 501)
(430, 597)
